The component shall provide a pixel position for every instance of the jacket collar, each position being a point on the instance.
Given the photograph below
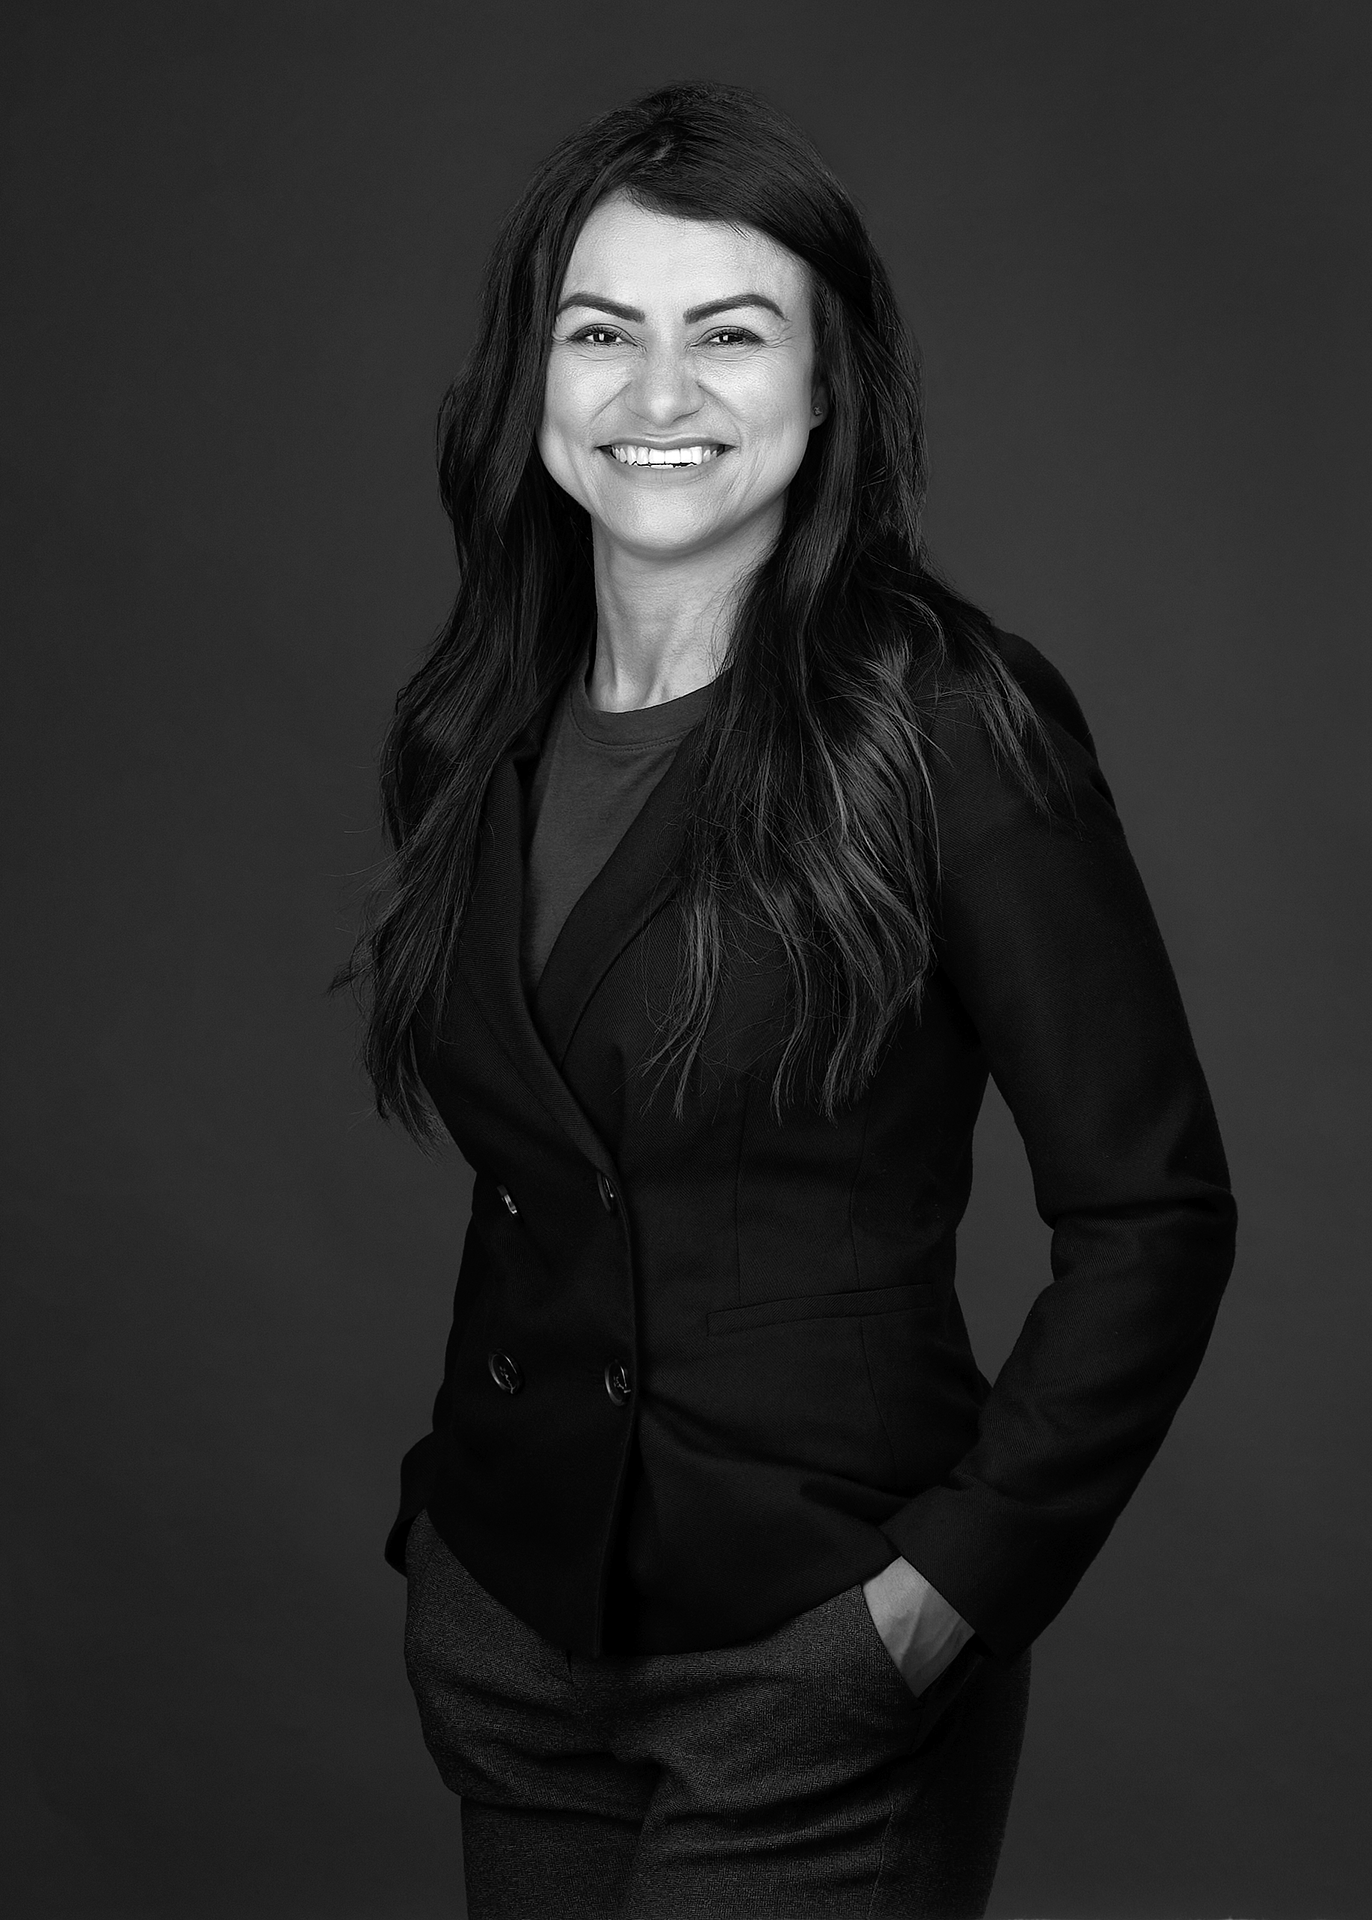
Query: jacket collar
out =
(636, 881)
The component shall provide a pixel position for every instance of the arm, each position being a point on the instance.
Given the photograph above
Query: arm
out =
(1050, 944)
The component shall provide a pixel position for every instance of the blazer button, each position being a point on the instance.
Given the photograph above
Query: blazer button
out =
(504, 1372)
(508, 1198)
(617, 1382)
(607, 1193)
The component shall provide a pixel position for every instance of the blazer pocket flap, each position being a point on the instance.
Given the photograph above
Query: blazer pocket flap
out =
(821, 1306)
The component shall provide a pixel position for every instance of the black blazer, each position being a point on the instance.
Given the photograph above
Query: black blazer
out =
(759, 1318)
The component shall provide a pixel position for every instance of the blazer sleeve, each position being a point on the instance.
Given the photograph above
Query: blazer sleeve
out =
(1048, 941)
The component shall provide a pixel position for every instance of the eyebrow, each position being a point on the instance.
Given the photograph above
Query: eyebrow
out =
(599, 304)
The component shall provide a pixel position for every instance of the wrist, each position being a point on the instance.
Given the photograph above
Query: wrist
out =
(922, 1632)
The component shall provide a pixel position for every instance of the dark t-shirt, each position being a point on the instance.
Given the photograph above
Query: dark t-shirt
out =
(593, 775)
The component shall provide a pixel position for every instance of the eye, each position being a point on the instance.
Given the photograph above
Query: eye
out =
(730, 337)
(597, 335)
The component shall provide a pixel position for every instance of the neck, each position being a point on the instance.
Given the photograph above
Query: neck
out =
(663, 626)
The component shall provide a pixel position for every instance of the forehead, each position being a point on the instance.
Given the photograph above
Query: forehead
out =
(644, 258)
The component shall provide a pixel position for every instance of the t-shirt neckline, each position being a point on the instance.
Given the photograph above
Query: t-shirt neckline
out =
(656, 726)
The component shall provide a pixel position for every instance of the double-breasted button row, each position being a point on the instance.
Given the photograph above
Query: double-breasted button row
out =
(609, 1199)
(507, 1376)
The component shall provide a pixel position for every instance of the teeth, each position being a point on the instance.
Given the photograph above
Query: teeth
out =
(665, 456)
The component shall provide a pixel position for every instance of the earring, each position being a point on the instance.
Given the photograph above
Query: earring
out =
(816, 411)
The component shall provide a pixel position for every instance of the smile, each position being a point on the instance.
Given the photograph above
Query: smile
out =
(691, 456)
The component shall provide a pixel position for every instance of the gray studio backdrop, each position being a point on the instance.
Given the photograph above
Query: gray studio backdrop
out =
(242, 244)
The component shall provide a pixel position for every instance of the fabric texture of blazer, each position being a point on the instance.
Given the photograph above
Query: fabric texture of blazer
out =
(724, 1351)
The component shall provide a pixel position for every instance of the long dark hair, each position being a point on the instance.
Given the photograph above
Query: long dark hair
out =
(812, 820)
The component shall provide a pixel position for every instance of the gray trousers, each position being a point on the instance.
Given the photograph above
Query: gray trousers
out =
(796, 1774)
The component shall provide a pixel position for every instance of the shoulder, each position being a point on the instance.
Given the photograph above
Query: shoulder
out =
(954, 694)
(1010, 744)
(1044, 687)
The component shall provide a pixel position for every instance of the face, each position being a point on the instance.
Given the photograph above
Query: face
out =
(681, 390)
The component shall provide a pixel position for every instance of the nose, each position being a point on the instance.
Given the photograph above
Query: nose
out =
(665, 389)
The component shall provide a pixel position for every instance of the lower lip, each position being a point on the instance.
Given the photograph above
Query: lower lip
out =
(687, 468)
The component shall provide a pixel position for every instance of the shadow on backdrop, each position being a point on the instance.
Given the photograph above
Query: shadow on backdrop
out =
(243, 244)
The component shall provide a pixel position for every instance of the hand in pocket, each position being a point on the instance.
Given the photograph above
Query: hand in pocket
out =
(920, 1630)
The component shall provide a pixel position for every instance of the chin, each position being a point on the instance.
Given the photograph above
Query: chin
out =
(664, 535)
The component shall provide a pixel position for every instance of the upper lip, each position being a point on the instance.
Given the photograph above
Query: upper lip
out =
(665, 446)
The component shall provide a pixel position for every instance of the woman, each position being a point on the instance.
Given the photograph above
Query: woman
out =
(734, 850)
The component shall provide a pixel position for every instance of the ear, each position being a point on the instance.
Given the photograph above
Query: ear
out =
(819, 402)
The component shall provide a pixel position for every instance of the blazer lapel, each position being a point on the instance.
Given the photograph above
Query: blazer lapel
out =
(635, 882)
(489, 952)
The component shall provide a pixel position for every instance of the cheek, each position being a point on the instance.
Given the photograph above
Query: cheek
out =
(781, 421)
(576, 390)
(557, 413)
(572, 390)
(780, 403)
(558, 435)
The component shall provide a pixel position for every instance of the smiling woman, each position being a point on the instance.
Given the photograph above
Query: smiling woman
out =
(680, 426)
(733, 851)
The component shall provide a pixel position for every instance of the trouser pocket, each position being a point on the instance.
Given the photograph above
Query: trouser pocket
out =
(929, 1706)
